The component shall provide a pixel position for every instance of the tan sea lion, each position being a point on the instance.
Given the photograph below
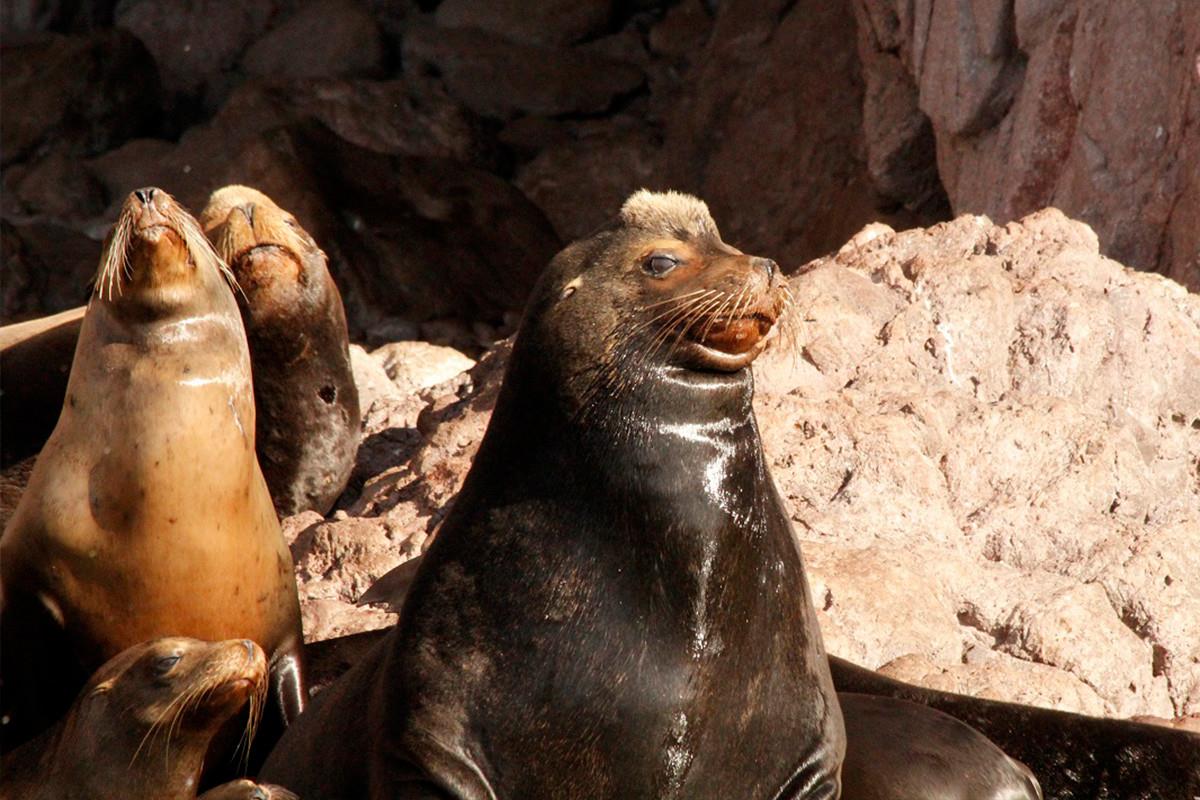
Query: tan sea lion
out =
(142, 725)
(146, 514)
(615, 605)
(308, 415)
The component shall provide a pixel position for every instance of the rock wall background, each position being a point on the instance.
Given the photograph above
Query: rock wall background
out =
(988, 433)
(476, 136)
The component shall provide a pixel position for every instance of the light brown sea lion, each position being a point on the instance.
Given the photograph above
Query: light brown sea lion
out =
(308, 414)
(615, 605)
(142, 725)
(146, 514)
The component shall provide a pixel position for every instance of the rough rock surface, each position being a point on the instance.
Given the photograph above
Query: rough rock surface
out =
(989, 439)
(196, 43)
(79, 94)
(499, 78)
(320, 39)
(1090, 107)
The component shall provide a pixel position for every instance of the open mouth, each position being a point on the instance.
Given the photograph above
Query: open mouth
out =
(730, 344)
(734, 336)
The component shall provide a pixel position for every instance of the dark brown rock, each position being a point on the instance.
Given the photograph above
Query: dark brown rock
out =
(82, 94)
(501, 79)
(58, 186)
(579, 182)
(556, 22)
(320, 39)
(767, 129)
(47, 268)
(197, 43)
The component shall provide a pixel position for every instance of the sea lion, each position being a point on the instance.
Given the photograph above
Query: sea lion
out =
(308, 413)
(35, 360)
(615, 606)
(142, 724)
(1073, 756)
(146, 514)
(897, 750)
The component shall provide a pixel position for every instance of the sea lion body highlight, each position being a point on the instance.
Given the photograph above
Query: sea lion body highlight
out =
(146, 514)
(308, 412)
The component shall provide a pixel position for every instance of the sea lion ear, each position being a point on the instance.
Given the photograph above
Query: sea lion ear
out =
(570, 288)
(670, 213)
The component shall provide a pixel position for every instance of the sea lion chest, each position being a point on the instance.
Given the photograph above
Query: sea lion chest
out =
(668, 600)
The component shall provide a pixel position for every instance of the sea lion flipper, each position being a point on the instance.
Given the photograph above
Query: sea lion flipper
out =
(392, 587)
(287, 682)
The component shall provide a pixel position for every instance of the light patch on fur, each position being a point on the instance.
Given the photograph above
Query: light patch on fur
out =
(669, 214)
(570, 288)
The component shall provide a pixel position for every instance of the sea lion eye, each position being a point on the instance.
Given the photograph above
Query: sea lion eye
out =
(660, 264)
(164, 664)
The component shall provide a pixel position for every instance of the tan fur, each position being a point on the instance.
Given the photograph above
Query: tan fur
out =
(671, 214)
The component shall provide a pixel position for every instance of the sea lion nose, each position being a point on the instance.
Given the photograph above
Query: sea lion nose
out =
(145, 194)
(766, 265)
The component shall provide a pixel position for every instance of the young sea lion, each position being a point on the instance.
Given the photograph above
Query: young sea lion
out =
(308, 413)
(142, 725)
(146, 514)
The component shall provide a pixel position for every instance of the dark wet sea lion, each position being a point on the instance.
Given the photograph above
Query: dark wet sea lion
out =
(146, 514)
(35, 361)
(142, 724)
(615, 606)
(897, 750)
(307, 402)
(1073, 756)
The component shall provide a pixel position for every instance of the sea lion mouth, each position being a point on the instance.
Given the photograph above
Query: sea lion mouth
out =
(728, 344)
(733, 337)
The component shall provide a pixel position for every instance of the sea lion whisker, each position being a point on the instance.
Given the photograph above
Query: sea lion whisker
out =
(685, 316)
(680, 325)
(682, 329)
(680, 303)
(716, 316)
(154, 726)
(675, 299)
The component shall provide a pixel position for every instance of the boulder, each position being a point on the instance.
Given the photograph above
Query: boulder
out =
(556, 22)
(196, 43)
(82, 94)
(501, 79)
(319, 39)
(1087, 107)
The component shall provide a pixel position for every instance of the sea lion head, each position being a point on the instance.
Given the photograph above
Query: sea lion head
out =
(655, 292)
(156, 693)
(156, 256)
(264, 246)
